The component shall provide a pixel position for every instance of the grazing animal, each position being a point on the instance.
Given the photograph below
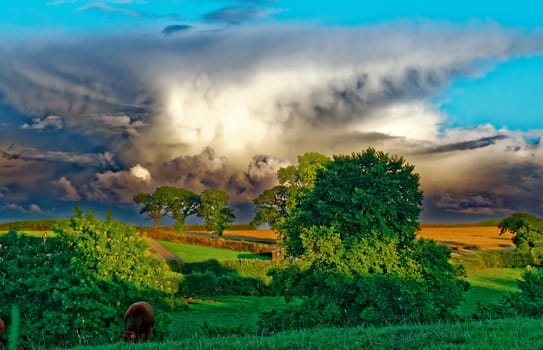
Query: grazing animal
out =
(2, 327)
(139, 320)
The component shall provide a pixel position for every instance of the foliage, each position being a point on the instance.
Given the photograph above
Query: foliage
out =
(273, 206)
(214, 211)
(528, 230)
(529, 301)
(75, 287)
(167, 200)
(354, 256)
(368, 195)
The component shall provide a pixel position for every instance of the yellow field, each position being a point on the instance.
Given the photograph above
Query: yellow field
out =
(262, 234)
(459, 238)
(468, 237)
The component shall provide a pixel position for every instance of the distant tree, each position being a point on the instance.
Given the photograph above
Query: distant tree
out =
(214, 211)
(271, 207)
(184, 203)
(527, 228)
(167, 200)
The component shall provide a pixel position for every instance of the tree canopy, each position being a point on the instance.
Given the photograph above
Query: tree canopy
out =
(274, 205)
(368, 195)
(177, 203)
(527, 228)
(353, 254)
(214, 211)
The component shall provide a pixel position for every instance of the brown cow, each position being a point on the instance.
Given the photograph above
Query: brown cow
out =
(2, 327)
(139, 320)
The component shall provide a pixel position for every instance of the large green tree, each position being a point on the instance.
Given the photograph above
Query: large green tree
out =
(353, 251)
(168, 201)
(527, 228)
(213, 209)
(366, 196)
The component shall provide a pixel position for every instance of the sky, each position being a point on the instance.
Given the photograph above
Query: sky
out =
(101, 100)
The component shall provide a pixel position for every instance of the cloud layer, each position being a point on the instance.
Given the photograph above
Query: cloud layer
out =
(225, 109)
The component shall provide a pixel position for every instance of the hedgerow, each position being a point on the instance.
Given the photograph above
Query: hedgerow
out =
(75, 287)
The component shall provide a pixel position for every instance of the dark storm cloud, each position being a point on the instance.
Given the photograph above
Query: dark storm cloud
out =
(468, 145)
(175, 28)
(104, 160)
(209, 170)
(156, 103)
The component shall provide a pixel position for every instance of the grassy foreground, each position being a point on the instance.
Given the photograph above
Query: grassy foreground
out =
(499, 334)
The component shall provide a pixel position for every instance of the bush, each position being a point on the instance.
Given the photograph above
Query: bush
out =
(74, 288)
(234, 277)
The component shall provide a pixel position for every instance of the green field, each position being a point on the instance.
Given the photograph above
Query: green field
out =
(194, 253)
(488, 286)
(34, 233)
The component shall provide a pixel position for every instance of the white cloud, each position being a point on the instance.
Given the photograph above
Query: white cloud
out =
(50, 122)
(141, 173)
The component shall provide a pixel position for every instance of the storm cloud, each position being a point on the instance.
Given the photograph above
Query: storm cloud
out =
(225, 109)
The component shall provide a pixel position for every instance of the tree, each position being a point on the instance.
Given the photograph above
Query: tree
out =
(184, 203)
(167, 200)
(214, 211)
(273, 205)
(369, 196)
(354, 256)
(527, 228)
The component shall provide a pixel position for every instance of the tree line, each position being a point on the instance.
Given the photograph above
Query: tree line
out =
(180, 203)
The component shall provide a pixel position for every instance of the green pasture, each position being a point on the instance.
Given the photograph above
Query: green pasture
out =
(194, 253)
(221, 315)
(488, 286)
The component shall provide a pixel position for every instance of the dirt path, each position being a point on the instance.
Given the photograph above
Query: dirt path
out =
(163, 253)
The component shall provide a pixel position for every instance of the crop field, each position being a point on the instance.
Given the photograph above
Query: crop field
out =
(470, 238)
(456, 237)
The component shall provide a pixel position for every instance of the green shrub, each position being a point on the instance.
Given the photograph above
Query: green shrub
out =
(75, 288)
(209, 284)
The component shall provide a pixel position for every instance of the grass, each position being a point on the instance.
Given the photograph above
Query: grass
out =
(518, 333)
(33, 233)
(488, 286)
(194, 253)
(226, 314)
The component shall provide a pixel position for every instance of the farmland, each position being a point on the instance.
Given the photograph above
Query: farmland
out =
(230, 321)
